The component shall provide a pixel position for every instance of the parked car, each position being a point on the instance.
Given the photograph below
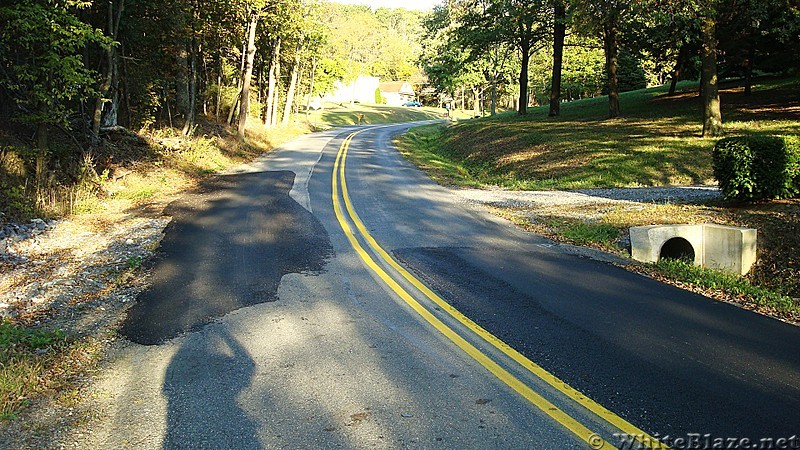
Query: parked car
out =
(413, 104)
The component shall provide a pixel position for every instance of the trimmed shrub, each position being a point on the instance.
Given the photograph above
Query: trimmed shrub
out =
(758, 167)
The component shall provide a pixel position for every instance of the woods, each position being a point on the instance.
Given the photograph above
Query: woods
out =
(102, 70)
(140, 65)
(585, 48)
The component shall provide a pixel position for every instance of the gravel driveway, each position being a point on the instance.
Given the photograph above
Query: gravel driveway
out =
(549, 199)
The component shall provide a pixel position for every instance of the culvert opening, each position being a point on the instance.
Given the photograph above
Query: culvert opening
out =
(677, 248)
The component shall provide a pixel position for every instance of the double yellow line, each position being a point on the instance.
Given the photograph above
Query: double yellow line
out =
(593, 439)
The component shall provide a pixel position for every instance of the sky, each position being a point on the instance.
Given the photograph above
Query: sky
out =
(424, 5)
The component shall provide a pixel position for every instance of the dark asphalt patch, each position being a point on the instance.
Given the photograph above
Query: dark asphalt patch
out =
(227, 247)
(579, 319)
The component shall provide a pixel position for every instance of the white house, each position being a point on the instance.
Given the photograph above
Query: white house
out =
(397, 93)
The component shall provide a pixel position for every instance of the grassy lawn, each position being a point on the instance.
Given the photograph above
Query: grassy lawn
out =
(656, 143)
(335, 114)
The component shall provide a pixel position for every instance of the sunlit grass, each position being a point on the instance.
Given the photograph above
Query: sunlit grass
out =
(656, 143)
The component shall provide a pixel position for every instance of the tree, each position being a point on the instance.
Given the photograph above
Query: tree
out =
(604, 18)
(559, 34)
(522, 23)
(712, 115)
(42, 72)
(248, 71)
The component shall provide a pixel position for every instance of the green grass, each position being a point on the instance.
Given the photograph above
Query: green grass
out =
(657, 141)
(25, 356)
(588, 233)
(733, 286)
(346, 114)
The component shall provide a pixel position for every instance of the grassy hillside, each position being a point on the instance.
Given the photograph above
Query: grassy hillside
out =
(656, 142)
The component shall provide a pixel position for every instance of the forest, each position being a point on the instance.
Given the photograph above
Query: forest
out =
(73, 73)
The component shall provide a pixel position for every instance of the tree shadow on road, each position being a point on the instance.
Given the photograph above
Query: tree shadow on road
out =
(201, 385)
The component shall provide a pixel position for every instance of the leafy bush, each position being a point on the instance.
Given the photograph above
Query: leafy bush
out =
(758, 167)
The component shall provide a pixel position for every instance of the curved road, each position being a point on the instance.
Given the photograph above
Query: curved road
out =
(331, 295)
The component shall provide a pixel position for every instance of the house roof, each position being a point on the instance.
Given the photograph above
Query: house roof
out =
(400, 87)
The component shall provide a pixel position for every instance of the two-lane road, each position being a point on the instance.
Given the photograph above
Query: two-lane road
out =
(352, 302)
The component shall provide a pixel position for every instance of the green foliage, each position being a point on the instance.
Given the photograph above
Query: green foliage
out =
(15, 201)
(630, 73)
(379, 98)
(134, 262)
(656, 143)
(384, 43)
(758, 167)
(42, 66)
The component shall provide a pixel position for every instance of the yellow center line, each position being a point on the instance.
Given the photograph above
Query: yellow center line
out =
(535, 369)
(536, 399)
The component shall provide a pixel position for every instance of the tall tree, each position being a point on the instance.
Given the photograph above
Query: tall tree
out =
(42, 71)
(712, 114)
(604, 18)
(522, 23)
(559, 34)
(109, 89)
(244, 109)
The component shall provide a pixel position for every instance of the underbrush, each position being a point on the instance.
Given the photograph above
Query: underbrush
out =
(127, 167)
(726, 286)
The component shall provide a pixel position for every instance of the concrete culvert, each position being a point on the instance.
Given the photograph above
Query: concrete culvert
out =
(677, 248)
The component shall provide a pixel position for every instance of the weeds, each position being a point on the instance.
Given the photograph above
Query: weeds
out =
(25, 356)
(732, 285)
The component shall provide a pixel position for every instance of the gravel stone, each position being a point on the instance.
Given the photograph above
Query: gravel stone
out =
(547, 199)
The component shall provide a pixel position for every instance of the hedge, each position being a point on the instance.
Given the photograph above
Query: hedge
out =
(758, 167)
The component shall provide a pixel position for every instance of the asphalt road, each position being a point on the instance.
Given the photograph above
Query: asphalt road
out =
(295, 330)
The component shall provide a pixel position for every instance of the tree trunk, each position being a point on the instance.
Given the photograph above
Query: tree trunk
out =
(115, 10)
(272, 86)
(235, 104)
(277, 96)
(611, 50)
(244, 109)
(493, 106)
(287, 111)
(42, 137)
(523, 78)
(712, 116)
(476, 101)
(190, 112)
(219, 93)
(182, 82)
(676, 72)
(559, 32)
(311, 85)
